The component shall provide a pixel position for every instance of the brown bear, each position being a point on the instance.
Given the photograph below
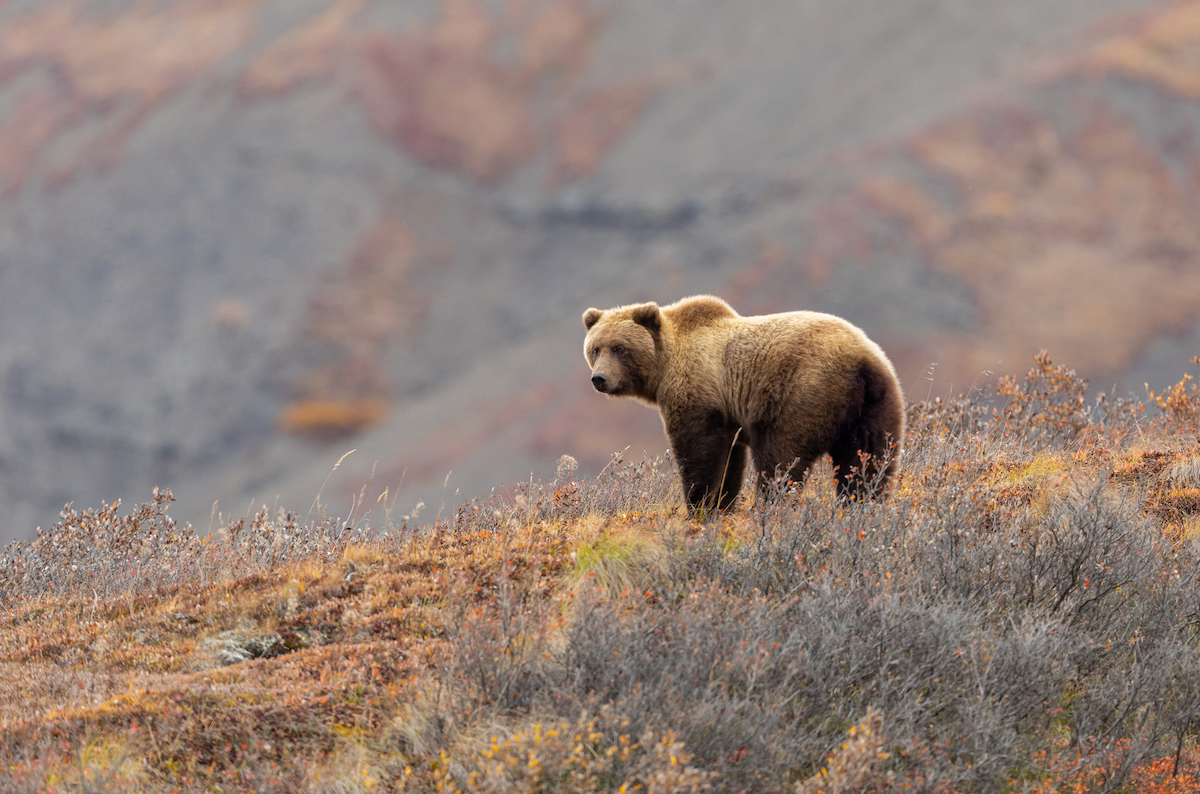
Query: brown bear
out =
(785, 388)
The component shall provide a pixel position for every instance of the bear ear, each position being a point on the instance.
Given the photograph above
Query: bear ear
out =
(591, 317)
(648, 316)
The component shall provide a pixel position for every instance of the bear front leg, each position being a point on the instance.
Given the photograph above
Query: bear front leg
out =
(734, 472)
(710, 458)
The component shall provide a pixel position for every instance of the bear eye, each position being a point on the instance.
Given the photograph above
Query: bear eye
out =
(595, 352)
(618, 349)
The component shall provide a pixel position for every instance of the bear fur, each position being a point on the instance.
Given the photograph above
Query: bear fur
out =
(783, 388)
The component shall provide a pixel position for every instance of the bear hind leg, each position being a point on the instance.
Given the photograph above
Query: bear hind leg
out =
(866, 458)
(860, 474)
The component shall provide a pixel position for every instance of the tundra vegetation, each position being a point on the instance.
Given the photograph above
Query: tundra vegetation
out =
(1020, 613)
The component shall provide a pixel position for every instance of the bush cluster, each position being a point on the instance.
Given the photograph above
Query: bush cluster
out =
(101, 553)
(980, 624)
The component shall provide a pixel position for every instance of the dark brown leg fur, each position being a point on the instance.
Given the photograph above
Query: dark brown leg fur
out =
(865, 455)
(786, 466)
(711, 460)
(734, 472)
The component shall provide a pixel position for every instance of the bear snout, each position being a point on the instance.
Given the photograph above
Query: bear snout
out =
(600, 382)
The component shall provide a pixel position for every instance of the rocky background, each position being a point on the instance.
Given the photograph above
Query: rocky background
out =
(240, 238)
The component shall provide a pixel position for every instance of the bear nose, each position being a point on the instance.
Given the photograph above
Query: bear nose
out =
(600, 382)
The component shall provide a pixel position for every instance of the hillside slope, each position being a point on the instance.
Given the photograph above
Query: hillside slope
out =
(1019, 613)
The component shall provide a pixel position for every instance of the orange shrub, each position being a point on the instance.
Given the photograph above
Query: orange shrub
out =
(1178, 401)
(331, 417)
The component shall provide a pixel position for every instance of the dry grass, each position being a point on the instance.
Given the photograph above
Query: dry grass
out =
(1020, 614)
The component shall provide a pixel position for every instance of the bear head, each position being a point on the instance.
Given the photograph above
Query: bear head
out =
(624, 349)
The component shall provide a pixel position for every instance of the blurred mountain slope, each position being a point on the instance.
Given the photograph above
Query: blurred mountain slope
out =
(241, 237)
(1068, 211)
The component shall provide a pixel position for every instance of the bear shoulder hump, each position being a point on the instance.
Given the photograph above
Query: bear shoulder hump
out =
(698, 311)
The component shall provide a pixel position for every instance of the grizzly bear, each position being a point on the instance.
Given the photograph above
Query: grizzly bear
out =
(785, 388)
